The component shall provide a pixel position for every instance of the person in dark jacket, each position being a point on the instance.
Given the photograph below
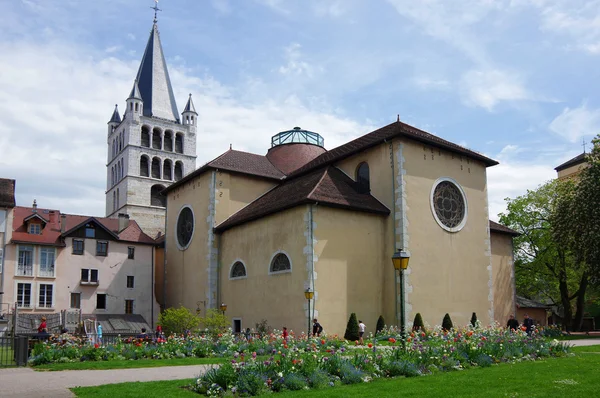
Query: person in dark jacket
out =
(528, 324)
(512, 323)
(317, 328)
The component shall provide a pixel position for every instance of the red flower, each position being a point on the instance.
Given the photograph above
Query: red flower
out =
(392, 340)
(369, 345)
(96, 345)
(323, 342)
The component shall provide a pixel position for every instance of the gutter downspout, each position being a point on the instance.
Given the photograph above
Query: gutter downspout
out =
(164, 292)
(311, 233)
(3, 256)
(391, 146)
(152, 290)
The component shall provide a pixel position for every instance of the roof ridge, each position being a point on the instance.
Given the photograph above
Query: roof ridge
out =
(325, 172)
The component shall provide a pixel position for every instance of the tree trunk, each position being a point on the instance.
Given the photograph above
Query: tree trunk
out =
(578, 321)
(566, 303)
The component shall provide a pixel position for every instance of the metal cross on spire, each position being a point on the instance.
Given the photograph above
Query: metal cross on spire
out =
(583, 143)
(156, 9)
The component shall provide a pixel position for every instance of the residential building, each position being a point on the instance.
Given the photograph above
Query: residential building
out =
(56, 261)
(151, 146)
(7, 204)
(572, 167)
(255, 231)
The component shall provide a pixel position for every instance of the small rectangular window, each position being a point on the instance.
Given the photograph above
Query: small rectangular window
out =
(90, 232)
(24, 295)
(75, 300)
(35, 229)
(94, 275)
(129, 306)
(130, 281)
(101, 248)
(77, 246)
(131, 252)
(101, 301)
(85, 275)
(45, 296)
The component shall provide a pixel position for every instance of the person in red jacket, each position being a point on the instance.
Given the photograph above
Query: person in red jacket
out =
(285, 333)
(43, 328)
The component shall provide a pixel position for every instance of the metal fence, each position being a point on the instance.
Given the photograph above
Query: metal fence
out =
(14, 351)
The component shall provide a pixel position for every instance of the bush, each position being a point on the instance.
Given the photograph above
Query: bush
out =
(178, 320)
(447, 322)
(215, 322)
(294, 382)
(380, 324)
(474, 320)
(418, 322)
(318, 379)
(263, 328)
(352, 328)
(250, 383)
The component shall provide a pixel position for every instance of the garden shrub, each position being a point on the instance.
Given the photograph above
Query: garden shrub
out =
(263, 328)
(318, 379)
(215, 323)
(250, 383)
(294, 382)
(178, 320)
(401, 368)
(474, 320)
(483, 360)
(447, 323)
(380, 324)
(352, 328)
(418, 322)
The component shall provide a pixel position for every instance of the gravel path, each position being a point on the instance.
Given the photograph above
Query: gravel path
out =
(584, 342)
(25, 382)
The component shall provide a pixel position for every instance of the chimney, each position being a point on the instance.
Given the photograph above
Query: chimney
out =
(52, 217)
(34, 206)
(123, 221)
(63, 223)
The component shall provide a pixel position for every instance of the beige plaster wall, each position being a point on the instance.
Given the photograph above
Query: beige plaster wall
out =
(448, 272)
(504, 282)
(572, 171)
(186, 270)
(278, 298)
(351, 267)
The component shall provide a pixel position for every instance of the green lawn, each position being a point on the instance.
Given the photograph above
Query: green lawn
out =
(142, 363)
(7, 356)
(575, 376)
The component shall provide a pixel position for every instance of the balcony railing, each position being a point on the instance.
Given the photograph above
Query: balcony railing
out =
(25, 270)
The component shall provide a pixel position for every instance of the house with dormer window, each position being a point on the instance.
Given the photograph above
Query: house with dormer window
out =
(100, 266)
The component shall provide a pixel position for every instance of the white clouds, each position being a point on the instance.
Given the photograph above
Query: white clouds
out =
(573, 124)
(486, 88)
(221, 6)
(295, 64)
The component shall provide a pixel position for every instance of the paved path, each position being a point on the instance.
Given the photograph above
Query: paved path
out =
(584, 342)
(25, 382)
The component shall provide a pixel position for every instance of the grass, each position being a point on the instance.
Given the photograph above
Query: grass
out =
(575, 376)
(142, 363)
(586, 349)
(7, 356)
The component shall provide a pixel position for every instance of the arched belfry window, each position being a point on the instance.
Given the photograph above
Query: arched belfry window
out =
(156, 199)
(362, 178)
(179, 143)
(178, 171)
(145, 139)
(280, 263)
(144, 166)
(238, 270)
(155, 168)
(156, 138)
(167, 170)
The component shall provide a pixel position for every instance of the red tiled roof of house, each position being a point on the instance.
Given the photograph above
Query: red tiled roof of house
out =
(396, 129)
(328, 186)
(236, 161)
(7, 193)
(51, 233)
(496, 227)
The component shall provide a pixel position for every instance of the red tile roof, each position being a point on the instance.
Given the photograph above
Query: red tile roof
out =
(328, 186)
(290, 157)
(7, 193)
(396, 129)
(51, 233)
(499, 228)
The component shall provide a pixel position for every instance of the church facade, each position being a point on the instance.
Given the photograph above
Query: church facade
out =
(256, 231)
(151, 146)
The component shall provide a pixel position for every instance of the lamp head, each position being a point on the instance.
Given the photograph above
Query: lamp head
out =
(400, 260)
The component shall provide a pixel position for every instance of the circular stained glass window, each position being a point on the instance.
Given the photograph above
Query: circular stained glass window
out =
(449, 205)
(185, 227)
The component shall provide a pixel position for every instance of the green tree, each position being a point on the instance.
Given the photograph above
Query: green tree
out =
(418, 322)
(447, 322)
(352, 328)
(575, 225)
(545, 269)
(474, 320)
(215, 322)
(177, 320)
(380, 324)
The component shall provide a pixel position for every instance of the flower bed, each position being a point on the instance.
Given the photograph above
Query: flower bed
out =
(319, 363)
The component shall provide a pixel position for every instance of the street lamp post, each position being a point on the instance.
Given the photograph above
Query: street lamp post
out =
(400, 261)
(308, 294)
(223, 308)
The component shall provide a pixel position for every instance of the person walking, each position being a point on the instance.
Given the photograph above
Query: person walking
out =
(99, 333)
(317, 328)
(512, 323)
(528, 324)
(361, 332)
(285, 334)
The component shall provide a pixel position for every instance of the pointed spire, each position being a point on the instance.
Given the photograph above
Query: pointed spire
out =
(115, 118)
(154, 83)
(135, 91)
(189, 107)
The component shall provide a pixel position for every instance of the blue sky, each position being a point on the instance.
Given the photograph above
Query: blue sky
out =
(515, 80)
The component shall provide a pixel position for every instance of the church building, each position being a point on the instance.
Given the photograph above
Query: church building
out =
(255, 232)
(151, 146)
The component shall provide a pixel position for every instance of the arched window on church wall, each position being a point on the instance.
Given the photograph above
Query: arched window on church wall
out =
(117, 198)
(362, 178)
(114, 200)
(168, 170)
(112, 176)
(179, 143)
(169, 140)
(122, 168)
(155, 168)
(145, 139)
(156, 199)
(144, 166)
(178, 171)
(156, 138)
